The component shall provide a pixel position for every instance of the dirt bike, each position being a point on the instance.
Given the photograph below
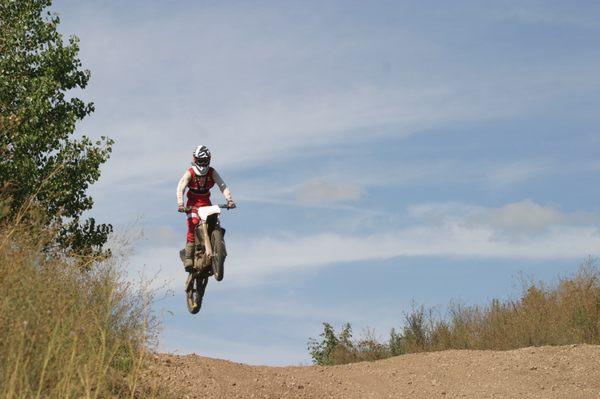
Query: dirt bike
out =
(209, 255)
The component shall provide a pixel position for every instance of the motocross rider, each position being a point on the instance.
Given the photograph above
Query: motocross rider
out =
(198, 179)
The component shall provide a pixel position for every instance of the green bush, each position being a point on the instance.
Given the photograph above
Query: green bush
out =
(567, 312)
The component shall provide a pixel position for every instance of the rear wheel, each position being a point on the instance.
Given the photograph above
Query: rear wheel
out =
(195, 287)
(219, 254)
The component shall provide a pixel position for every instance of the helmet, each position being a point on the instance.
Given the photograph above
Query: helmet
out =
(201, 159)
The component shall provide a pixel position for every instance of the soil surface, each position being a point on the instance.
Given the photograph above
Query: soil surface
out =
(544, 372)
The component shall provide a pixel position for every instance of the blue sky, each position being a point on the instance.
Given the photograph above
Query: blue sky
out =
(381, 153)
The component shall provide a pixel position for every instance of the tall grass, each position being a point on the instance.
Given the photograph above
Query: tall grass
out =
(68, 331)
(566, 312)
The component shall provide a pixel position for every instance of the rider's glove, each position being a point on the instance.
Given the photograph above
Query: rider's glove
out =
(231, 204)
(180, 209)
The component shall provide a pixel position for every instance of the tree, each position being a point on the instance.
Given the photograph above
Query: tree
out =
(42, 158)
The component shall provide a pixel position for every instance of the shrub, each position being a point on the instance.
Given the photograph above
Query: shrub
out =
(567, 312)
(68, 331)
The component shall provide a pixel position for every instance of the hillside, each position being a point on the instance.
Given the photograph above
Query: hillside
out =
(542, 372)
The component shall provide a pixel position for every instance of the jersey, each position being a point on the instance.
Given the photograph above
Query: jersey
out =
(199, 186)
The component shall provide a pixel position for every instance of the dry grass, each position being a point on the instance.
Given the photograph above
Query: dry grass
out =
(567, 312)
(68, 333)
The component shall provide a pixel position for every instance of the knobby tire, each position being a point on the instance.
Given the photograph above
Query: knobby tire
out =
(219, 254)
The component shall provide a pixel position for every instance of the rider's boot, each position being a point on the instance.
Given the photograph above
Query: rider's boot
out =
(188, 260)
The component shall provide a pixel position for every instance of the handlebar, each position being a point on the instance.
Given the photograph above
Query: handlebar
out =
(222, 206)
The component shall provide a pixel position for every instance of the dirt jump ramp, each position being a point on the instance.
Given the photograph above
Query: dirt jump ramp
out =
(567, 372)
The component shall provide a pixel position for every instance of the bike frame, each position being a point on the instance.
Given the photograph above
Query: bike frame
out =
(203, 230)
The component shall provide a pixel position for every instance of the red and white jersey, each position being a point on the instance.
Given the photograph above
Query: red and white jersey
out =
(199, 186)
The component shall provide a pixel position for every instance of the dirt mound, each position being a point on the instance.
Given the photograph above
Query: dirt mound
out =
(544, 372)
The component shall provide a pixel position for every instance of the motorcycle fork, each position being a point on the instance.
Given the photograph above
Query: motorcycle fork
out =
(205, 238)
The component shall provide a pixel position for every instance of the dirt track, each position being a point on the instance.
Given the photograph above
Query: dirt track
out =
(546, 372)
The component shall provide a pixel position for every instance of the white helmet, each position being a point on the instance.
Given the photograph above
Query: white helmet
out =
(201, 159)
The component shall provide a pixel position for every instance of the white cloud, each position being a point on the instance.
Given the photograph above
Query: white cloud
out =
(270, 255)
(433, 213)
(518, 230)
(517, 172)
(525, 217)
(320, 190)
(218, 75)
(522, 230)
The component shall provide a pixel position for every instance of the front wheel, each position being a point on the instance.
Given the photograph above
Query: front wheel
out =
(195, 287)
(219, 254)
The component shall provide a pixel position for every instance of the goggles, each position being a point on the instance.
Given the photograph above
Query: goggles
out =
(202, 161)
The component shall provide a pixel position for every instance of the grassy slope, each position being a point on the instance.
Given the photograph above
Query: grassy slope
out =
(67, 333)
